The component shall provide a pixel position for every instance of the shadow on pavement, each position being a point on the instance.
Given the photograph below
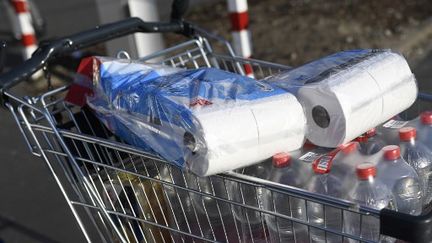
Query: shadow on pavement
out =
(8, 224)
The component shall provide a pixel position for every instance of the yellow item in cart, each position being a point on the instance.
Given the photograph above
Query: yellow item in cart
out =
(141, 198)
(152, 205)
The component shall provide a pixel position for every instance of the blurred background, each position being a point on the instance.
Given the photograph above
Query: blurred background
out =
(290, 32)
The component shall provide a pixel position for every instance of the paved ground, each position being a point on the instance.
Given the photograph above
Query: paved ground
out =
(31, 206)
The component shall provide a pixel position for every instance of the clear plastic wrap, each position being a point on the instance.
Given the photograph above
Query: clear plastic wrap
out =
(206, 120)
(419, 157)
(90, 80)
(401, 179)
(370, 192)
(347, 93)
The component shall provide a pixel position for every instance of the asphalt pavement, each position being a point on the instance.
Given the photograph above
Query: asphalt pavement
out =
(32, 208)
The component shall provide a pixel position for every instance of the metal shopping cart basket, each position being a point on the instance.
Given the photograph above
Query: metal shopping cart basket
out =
(119, 193)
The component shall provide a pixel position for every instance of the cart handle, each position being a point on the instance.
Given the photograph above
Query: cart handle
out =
(99, 34)
(406, 227)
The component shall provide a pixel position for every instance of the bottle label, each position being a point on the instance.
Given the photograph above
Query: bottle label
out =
(310, 156)
(395, 124)
(323, 164)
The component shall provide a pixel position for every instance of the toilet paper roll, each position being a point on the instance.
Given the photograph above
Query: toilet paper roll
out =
(281, 124)
(399, 98)
(388, 65)
(244, 134)
(350, 102)
(335, 113)
(223, 138)
(395, 79)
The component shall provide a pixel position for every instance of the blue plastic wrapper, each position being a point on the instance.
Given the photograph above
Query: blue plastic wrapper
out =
(205, 120)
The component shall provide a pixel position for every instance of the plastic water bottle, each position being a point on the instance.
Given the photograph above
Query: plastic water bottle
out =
(425, 129)
(251, 221)
(327, 184)
(367, 191)
(419, 157)
(370, 143)
(401, 179)
(389, 131)
(287, 171)
(310, 152)
(343, 161)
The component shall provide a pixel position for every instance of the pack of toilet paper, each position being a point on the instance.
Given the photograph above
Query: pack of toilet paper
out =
(88, 79)
(346, 94)
(205, 120)
(210, 121)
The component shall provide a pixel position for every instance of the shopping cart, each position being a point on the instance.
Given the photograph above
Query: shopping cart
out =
(119, 193)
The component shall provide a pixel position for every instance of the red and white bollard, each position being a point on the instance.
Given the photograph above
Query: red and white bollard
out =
(25, 27)
(238, 12)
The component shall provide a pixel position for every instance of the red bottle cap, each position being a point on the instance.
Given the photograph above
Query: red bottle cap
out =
(426, 117)
(371, 133)
(349, 148)
(361, 139)
(365, 170)
(407, 133)
(309, 145)
(281, 159)
(391, 152)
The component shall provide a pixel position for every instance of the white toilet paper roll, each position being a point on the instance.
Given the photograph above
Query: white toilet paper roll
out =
(225, 137)
(244, 134)
(399, 98)
(347, 104)
(388, 66)
(336, 114)
(395, 79)
(281, 124)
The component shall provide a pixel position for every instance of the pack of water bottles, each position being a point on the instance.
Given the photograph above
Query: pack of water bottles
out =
(387, 167)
